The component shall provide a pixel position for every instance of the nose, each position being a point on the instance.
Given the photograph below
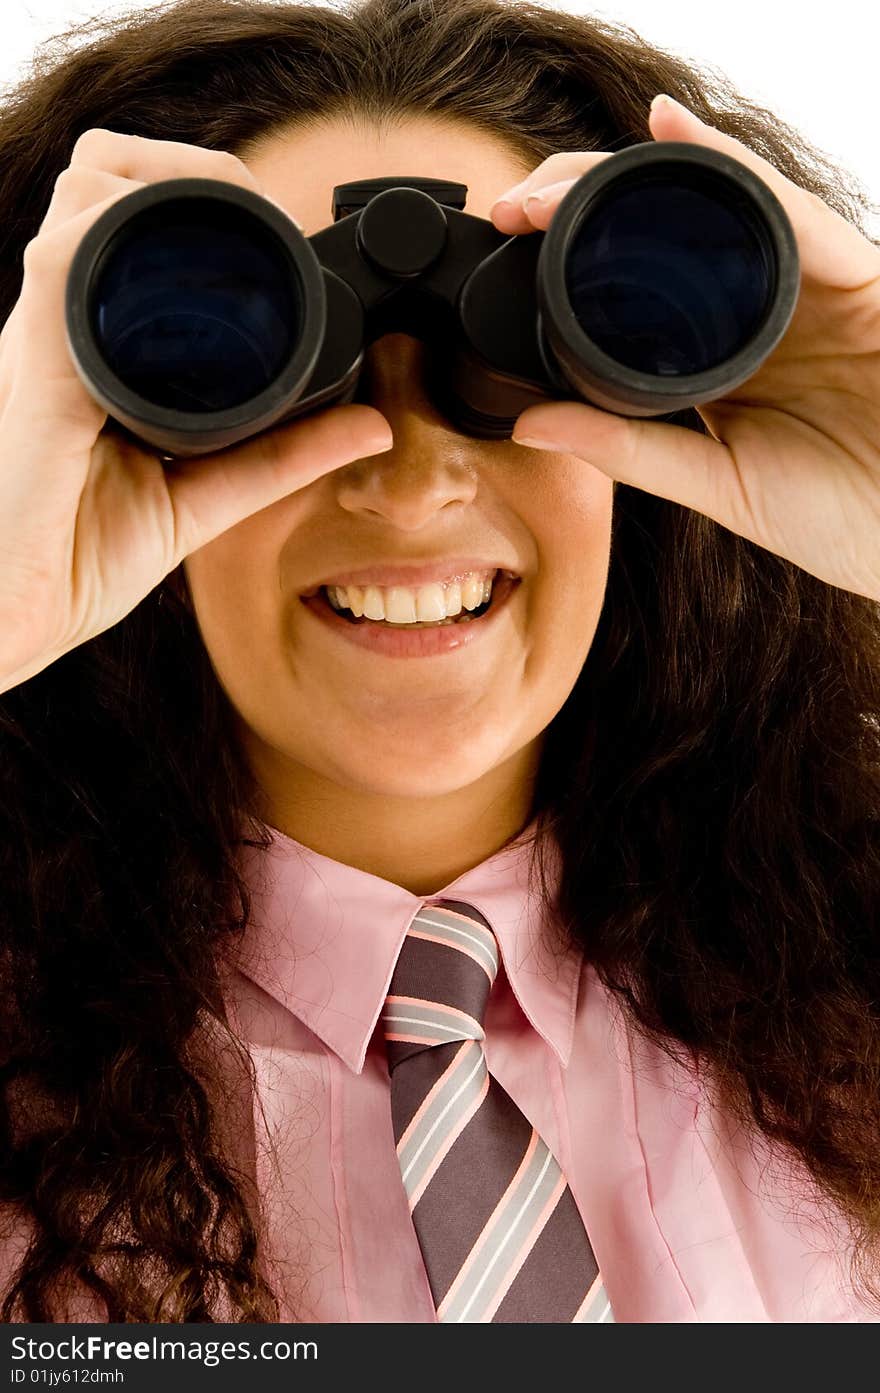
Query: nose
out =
(430, 466)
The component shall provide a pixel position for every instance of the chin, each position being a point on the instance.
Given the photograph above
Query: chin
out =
(417, 778)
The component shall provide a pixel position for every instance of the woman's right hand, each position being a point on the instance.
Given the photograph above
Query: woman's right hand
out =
(90, 522)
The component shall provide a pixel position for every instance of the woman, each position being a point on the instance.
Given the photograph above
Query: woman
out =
(220, 818)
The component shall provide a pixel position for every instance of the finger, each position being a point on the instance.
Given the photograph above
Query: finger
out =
(668, 461)
(146, 161)
(79, 187)
(541, 204)
(213, 492)
(41, 363)
(832, 251)
(82, 193)
(73, 194)
(560, 169)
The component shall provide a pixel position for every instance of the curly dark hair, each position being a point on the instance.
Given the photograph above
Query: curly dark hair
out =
(712, 780)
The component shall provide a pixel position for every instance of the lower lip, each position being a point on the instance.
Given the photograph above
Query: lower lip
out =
(415, 643)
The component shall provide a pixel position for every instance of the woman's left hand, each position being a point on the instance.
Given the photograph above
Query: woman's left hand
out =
(793, 458)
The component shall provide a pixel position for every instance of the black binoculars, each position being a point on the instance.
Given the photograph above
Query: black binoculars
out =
(198, 314)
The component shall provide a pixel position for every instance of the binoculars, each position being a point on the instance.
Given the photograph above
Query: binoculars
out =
(198, 314)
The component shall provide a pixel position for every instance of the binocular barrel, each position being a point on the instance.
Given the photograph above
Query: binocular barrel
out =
(198, 314)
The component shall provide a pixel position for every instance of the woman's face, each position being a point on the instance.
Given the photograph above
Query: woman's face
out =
(328, 725)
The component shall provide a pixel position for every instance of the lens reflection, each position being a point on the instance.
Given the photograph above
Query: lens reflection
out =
(196, 306)
(670, 278)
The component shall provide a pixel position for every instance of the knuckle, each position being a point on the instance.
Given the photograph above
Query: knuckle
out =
(561, 160)
(818, 204)
(34, 253)
(236, 171)
(67, 177)
(231, 160)
(41, 252)
(91, 141)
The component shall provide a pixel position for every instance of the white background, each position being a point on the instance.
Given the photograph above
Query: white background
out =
(815, 66)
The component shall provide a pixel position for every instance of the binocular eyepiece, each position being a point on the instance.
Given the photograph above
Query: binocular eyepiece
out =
(198, 314)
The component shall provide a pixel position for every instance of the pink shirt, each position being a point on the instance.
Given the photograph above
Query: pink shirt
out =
(688, 1225)
(687, 1222)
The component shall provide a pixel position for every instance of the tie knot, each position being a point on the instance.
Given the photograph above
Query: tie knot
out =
(441, 983)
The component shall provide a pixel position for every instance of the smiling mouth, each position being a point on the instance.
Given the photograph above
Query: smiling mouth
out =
(462, 618)
(502, 587)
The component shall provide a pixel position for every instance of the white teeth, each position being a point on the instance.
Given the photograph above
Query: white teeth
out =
(451, 600)
(473, 592)
(372, 602)
(399, 604)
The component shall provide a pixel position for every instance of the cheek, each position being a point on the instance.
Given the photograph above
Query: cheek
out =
(576, 538)
(233, 582)
(576, 552)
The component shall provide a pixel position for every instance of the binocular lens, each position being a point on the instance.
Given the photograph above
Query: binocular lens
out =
(670, 277)
(196, 305)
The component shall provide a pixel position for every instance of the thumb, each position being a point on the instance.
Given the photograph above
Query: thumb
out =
(211, 493)
(669, 461)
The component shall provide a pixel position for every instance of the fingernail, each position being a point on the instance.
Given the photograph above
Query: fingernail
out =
(670, 101)
(534, 443)
(511, 196)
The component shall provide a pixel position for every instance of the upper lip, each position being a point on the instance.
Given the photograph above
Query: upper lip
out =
(450, 568)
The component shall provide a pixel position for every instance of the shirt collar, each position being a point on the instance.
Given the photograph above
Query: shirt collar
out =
(324, 938)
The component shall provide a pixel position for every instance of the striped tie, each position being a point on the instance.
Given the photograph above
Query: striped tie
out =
(498, 1227)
